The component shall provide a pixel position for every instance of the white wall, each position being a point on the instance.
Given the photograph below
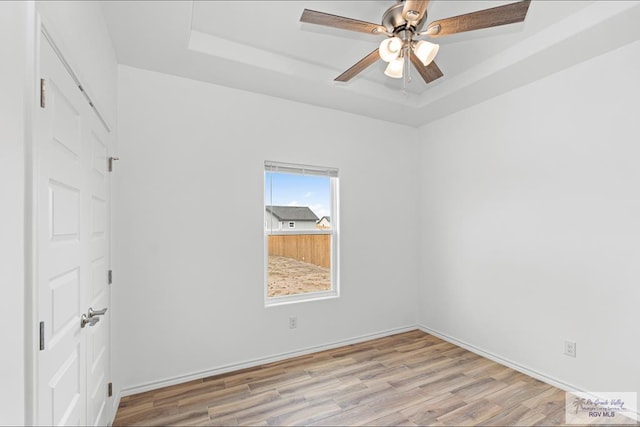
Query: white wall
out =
(13, 16)
(189, 294)
(531, 224)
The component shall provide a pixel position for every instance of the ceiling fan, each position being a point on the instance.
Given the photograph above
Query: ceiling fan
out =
(404, 23)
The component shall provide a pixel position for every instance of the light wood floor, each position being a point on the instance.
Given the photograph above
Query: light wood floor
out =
(406, 379)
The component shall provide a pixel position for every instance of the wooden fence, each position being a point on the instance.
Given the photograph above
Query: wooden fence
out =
(311, 248)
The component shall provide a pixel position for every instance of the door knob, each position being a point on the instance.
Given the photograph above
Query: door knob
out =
(93, 313)
(91, 321)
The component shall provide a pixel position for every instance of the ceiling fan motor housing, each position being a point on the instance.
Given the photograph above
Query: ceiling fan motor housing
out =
(393, 21)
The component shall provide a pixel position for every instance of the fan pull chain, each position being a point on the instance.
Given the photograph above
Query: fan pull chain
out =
(408, 65)
(405, 72)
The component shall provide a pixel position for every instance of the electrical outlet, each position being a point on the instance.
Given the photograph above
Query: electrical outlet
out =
(293, 322)
(570, 348)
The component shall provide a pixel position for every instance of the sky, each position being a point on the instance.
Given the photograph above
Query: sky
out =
(299, 190)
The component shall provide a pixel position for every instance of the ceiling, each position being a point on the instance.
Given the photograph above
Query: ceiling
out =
(260, 46)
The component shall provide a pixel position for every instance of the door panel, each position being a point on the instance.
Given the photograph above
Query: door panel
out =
(72, 251)
(65, 290)
(61, 364)
(98, 296)
(65, 211)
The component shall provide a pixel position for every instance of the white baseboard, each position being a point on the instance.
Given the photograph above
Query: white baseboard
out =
(501, 360)
(114, 407)
(127, 391)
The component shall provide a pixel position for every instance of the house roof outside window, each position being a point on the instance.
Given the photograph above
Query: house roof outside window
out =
(292, 213)
(328, 218)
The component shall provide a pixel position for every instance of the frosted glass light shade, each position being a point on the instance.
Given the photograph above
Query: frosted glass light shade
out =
(390, 48)
(395, 68)
(426, 51)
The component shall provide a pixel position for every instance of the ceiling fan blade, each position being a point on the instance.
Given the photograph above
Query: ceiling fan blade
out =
(321, 18)
(413, 10)
(501, 15)
(358, 67)
(429, 73)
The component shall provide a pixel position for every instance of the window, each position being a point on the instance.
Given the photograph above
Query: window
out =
(301, 233)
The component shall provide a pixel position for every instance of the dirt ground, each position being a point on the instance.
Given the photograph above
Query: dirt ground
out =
(288, 276)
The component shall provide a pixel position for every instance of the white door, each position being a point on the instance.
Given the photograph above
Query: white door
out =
(72, 259)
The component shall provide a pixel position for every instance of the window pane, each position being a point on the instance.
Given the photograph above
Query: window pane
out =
(299, 263)
(302, 199)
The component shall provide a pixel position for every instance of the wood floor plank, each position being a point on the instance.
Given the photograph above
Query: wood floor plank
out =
(386, 374)
(508, 418)
(390, 403)
(547, 401)
(412, 382)
(271, 383)
(140, 413)
(330, 391)
(218, 421)
(314, 384)
(475, 413)
(351, 351)
(479, 388)
(193, 417)
(362, 396)
(358, 416)
(552, 419)
(231, 408)
(275, 408)
(349, 417)
(427, 412)
(393, 419)
(173, 395)
(359, 369)
(445, 384)
(306, 415)
(164, 416)
(516, 393)
(405, 379)
(216, 397)
(253, 376)
(326, 368)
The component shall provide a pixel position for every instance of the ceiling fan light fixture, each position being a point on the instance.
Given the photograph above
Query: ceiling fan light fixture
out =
(395, 68)
(426, 51)
(390, 49)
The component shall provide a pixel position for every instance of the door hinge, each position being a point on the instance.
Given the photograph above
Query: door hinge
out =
(111, 160)
(41, 336)
(43, 87)
(110, 276)
(110, 389)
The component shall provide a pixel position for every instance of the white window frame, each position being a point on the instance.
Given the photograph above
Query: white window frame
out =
(334, 291)
(292, 224)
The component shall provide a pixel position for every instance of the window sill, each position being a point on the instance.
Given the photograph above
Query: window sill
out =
(294, 299)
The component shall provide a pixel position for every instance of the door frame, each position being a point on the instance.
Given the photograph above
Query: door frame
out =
(37, 25)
